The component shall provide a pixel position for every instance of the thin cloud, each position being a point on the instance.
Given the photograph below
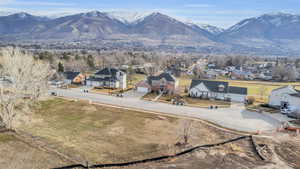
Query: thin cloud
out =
(35, 3)
(5, 2)
(198, 5)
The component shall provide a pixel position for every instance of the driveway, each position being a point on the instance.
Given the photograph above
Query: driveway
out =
(236, 117)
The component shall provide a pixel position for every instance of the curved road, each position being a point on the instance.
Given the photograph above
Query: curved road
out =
(236, 117)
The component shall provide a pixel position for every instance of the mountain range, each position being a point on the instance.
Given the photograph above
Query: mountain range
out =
(269, 34)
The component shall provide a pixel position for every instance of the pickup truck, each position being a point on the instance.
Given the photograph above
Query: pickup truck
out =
(292, 112)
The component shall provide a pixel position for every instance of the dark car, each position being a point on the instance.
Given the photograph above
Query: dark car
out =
(294, 115)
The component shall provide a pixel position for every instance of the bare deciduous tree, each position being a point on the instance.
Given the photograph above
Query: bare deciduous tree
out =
(26, 82)
(285, 73)
(185, 132)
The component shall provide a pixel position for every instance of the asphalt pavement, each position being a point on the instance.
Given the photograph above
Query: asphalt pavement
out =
(236, 117)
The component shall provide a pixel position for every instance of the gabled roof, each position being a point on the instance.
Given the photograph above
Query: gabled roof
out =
(238, 90)
(213, 86)
(295, 95)
(167, 76)
(71, 75)
(108, 71)
(143, 84)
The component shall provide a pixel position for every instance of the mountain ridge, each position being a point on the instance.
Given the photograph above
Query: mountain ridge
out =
(269, 33)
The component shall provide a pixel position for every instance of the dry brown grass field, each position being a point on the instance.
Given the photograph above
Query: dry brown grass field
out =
(99, 134)
(15, 154)
(104, 134)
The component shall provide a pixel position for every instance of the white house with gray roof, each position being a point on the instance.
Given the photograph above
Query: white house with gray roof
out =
(217, 90)
(284, 97)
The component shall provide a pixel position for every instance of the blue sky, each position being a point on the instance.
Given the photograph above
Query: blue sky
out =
(223, 13)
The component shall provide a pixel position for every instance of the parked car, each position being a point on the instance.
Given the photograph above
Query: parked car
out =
(288, 110)
(294, 115)
(291, 112)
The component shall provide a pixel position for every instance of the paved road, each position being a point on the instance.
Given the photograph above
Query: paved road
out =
(236, 117)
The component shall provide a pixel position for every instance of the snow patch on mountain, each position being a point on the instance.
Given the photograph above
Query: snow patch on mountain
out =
(127, 17)
(239, 25)
(209, 28)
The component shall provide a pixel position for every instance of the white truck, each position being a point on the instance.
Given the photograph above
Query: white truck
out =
(292, 112)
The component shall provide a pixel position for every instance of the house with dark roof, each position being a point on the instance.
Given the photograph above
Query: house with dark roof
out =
(164, 82)
(219, 90)
(108, 78)
(284, 97)
(71, 77)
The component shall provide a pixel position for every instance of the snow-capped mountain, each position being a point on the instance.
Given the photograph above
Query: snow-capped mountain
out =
(212, 29)
(270, 33)
(277, 31)
(160, 26)
(127, 17)
(19, 23)
(209, 28)
(269, 26)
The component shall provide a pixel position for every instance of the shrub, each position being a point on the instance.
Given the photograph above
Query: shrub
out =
(250, 100)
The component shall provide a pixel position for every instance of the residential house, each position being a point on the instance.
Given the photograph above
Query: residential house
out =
(143, 87)
(265, 76)
(211, 74)
(284, 97)
(217, 90)
(165, 82)
(71, 77)
(108, 78)
(241, 75)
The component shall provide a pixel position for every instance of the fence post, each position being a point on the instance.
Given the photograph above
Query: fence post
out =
(87, 165)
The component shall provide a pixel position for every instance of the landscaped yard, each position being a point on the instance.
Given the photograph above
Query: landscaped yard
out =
(206, 103)
(189, 101)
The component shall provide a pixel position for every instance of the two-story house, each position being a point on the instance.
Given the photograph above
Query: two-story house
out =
(165, 82)
(108, 78)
